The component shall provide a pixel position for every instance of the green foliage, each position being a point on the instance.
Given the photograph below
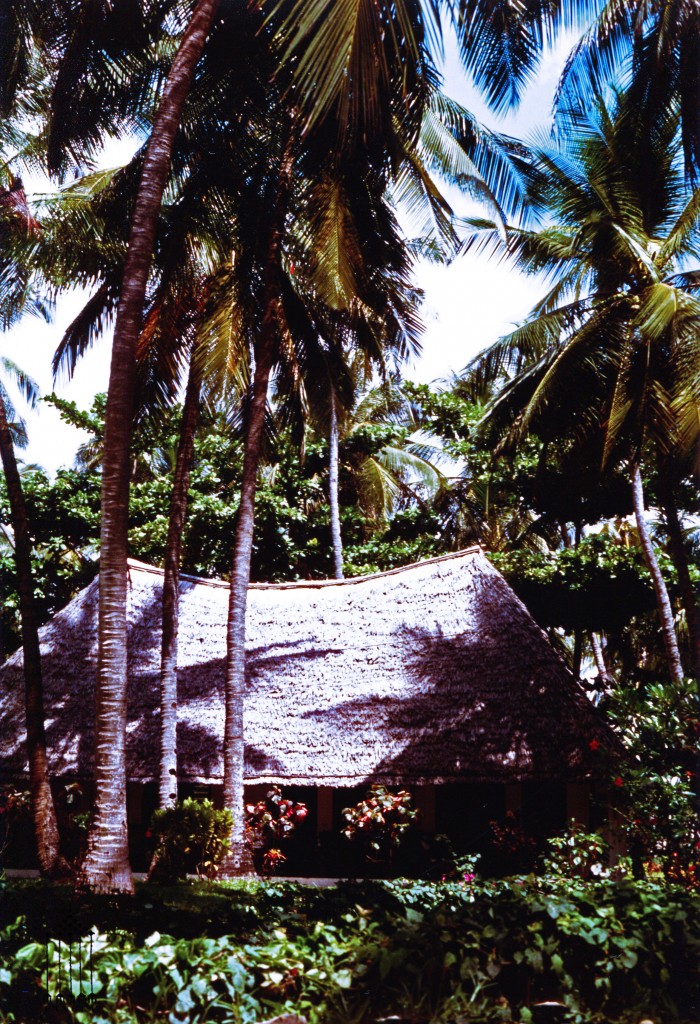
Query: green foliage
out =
(613, 952)
(599, 584)
(380, 821)
(658, 794)
(576, 854)
(192, 836)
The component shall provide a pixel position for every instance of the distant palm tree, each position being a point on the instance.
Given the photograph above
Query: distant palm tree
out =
(613, 348)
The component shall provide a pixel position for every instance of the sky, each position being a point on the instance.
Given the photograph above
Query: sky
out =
(468, 304)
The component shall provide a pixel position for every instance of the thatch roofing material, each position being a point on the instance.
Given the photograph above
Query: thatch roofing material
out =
(431, 673)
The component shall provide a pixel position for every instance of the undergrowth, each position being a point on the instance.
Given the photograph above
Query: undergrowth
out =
(470, 951)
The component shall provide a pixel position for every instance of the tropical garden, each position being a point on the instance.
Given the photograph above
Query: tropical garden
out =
(255, 262)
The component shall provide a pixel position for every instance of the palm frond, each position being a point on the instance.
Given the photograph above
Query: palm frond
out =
(85, 329)
(26, 385)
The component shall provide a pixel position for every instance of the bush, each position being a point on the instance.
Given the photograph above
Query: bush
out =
(191, 837)
(576, 854)
(380, 821)
(657, 791)
(268, 823)
(487, 952)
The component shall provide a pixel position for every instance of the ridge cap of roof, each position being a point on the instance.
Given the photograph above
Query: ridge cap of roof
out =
(475, 549)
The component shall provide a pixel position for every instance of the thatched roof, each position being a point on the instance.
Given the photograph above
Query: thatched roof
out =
(431, 673)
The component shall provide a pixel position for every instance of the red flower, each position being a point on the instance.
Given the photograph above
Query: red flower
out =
(618, 781)
(594, 744)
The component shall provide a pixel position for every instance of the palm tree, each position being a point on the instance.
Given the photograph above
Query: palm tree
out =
(613, 347)
(106, 866)
(656, 46)
(17, 295)
(51, 863)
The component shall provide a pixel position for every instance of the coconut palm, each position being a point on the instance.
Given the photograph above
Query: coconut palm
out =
(18, 295)
(653, 47)
(51, 863)
(613, 347)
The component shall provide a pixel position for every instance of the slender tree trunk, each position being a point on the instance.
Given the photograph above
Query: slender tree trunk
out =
(51, 863)
(598, 656)
(239, 860)
(680, 561)
(333, 478)
(663, 602)
(167, 790)
(577, 653)
(106, 867)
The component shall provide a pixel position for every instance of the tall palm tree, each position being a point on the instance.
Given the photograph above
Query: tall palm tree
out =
(106, 867)
(51, 863)
(17, 296)
(613, 347)
(654, 46)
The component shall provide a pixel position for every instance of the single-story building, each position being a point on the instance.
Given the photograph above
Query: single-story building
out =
(433, 677)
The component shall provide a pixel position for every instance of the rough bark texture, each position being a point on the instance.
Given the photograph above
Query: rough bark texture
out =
(239, 860)
(51, 863)
(167, 788)
(680, 561)
(333, 477)
(106, 867)
(663, 602)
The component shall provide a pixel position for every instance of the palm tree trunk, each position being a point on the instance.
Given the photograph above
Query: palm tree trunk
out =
(663, 602)
(333, 477)
(167, 790)
(577, 654)
(599, 656)
(680, 561)
(51, 863)
(239, 860)
(106, 867)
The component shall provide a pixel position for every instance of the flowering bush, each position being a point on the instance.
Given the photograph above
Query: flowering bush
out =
(270, 822)
(380, 821)
(577, 854)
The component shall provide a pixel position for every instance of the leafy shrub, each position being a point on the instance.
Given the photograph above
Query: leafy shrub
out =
(270, 822)
(657, 792)
(576, 854)
(380, 821)
(613, 952)
(192, 836)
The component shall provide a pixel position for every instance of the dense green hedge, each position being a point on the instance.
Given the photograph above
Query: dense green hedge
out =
(425, 951)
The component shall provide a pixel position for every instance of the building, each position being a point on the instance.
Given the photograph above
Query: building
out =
(432, 677)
